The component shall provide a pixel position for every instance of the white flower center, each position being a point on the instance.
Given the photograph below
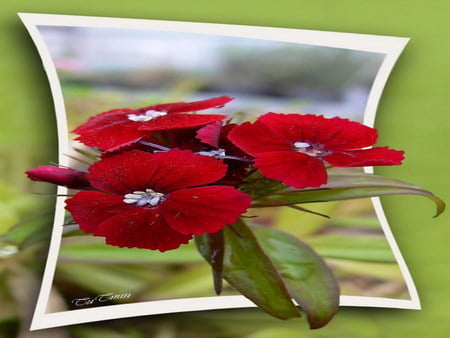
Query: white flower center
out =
(142, 198)
(308, 149)
(219, 153)
(147, 116)
(301, 145)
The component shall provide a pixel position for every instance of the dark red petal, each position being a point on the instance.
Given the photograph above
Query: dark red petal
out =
(108, 139)
(185, 107)
(294, 169)
(179, 138)
(333, 133)
(130, 145)
(141, 228)
(163, 172)
(204, 209)
(159, 107)
(225, 143)
(99, 120)
(90, 208)
(62, 176)
(217, 102)
(365, 157)
(113, 134)
(257, 138)
(210, 134)
(181, 169)
(123, 173)
(143, 144)
(178, 121)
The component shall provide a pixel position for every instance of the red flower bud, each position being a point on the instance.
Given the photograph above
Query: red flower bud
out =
(67, 177)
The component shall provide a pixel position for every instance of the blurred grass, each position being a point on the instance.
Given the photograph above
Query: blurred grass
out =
(27, 139)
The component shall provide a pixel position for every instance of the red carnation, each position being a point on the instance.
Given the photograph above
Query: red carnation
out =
(156, 201)
(293, 148)
(62, 176)
(120, 127)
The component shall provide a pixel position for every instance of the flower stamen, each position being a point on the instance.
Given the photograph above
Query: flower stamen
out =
(219, 153)
(308, 149)
(147, 116)
(142, 198)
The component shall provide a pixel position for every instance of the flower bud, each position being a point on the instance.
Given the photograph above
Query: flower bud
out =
(67, 177)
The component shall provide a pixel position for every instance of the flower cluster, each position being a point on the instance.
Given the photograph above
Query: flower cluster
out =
(167, 174)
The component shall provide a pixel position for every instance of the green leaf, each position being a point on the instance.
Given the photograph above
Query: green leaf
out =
(344, 186)
(248, 269)
(213, 247)
(309, 281)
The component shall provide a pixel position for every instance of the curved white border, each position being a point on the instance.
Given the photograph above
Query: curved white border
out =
(390, 46)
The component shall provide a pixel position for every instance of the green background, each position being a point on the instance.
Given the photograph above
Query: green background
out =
(412, 115)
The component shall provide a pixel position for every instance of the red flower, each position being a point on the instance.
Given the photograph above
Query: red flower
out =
(215, 136)
(120, 127)
(67, 177)
(156, 201)
(293, 148)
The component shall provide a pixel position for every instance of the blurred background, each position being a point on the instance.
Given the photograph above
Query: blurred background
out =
(141, 66)
(103, 69)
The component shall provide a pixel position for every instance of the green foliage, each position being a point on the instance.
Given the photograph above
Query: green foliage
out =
(248, 269)
(306, 275)
(344, 186)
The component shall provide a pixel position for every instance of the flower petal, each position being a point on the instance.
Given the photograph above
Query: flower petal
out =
(176, 121)
(225, 143)
(102, 119)
(204, 209)
(163, 172)
(185, 107)
(210, 134)
(111, 129)
(365, 157)
(90, 208)
(130, 145)
(123, 173)
(333, 133)
(141, 228)
(257, 138)
(180, 169)
(294, 169)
